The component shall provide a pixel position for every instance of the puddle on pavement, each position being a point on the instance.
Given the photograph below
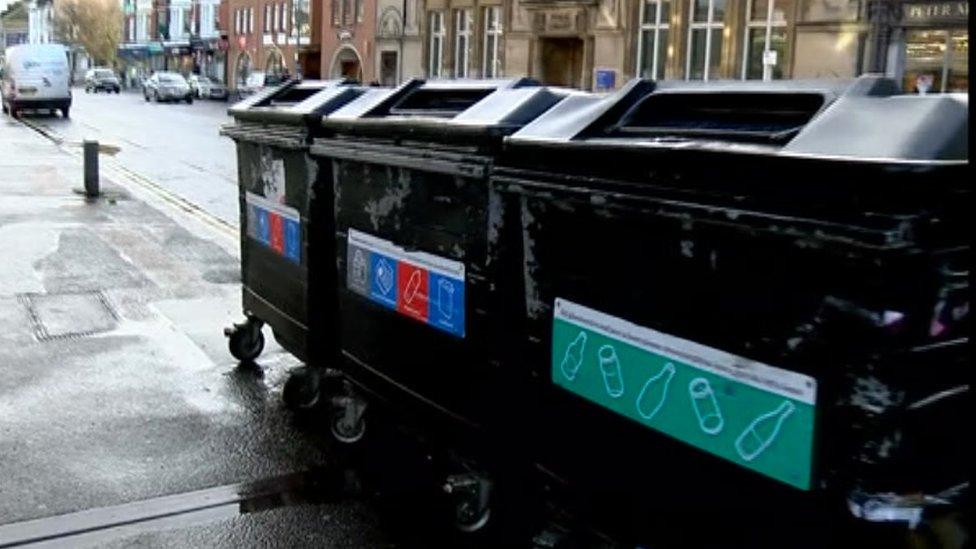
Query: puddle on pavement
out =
(103, 525)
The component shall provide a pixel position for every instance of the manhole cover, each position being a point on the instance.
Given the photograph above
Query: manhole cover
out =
(58, 316)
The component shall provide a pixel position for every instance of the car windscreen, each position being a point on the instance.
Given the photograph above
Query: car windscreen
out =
(104, 74)
(170, 79)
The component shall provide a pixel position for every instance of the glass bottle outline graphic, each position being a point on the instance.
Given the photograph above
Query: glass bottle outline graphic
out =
(446, 306)
(573, 357)
(655, 392)
(762, 431)
(610, 368)
(705, 405)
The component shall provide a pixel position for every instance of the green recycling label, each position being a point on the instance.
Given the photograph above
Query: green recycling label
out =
(752, 414)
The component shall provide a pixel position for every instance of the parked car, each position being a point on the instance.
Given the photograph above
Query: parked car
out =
(35, 76)
(102, 79)
(167, 86)
(205, 88)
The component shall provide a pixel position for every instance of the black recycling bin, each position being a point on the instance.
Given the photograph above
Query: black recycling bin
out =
(410, 172)
(272, 130)
(743, 303)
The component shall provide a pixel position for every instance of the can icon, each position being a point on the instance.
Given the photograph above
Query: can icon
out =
(610, 367)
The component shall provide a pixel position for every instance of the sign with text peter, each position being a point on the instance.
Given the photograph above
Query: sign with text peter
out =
(754, 415)
(925, 13)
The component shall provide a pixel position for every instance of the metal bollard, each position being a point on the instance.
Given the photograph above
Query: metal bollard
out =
(91, 168)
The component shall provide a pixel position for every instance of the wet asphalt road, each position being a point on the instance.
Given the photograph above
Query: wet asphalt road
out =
(173, 144)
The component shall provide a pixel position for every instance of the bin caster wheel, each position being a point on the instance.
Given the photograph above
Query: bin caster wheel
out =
(345, 432)
(245, 341)
(302, 390)
(470, 493)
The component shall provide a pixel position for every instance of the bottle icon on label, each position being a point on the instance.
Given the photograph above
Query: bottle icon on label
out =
(655, 392)
(762, 431)
(413, 285)
(359, 268)
(706, 407)
(573, 357)
(445, 298)
(610, 366)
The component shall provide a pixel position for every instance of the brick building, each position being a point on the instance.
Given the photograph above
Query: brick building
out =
(277, 37)
(348, 39)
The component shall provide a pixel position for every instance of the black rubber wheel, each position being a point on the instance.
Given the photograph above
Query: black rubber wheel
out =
(189, 100)
(245, 343)
(64, 112)
(302, 391)
(344, 433)
(146, 97)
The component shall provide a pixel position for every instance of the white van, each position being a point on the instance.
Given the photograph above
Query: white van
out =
(36, 76)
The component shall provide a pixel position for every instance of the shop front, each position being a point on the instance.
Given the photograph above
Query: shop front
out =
(209, 57)
(179, 57)
(929, 51)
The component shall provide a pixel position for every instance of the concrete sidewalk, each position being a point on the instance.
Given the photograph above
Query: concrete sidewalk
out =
(116, 383)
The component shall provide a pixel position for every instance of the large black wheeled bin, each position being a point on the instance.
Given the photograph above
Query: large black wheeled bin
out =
(416, 318)
(272, 130)
(743, 305)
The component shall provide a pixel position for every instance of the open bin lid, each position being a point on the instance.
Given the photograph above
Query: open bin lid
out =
(860, 119)
(295, 101)
(433, 108)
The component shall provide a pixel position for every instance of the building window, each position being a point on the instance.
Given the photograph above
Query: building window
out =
(299, 18)
(462, 42)
(336, 12)
(705, 34)
(215, 12)
(281, 16)
(652, 42)
(360, 11)
(267, 18)
(347, 12)
(250, 20)
(766, 30)
(490, 59)
(436, 45)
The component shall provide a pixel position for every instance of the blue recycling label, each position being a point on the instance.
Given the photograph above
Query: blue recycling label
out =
(419, 285)
(383, 282)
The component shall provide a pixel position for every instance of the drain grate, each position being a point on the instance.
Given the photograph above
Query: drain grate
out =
(66, 316)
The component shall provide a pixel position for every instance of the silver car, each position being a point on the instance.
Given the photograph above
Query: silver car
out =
(205, 88)
(167, 86)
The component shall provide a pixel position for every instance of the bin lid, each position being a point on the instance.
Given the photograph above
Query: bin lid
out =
(295, 101)
(863, 119)
(433, 108)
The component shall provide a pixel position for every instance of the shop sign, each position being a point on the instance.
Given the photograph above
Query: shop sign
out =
(935, 12)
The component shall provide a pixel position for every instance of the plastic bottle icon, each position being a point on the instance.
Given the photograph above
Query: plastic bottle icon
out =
(573, 358)
(762, 431)
(413, 286)
(445, 298)
(655, 392)
(706, 408)
(610, 366)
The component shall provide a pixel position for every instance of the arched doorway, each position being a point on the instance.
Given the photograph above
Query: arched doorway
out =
(243, 69)
(274, 67)
(347, 64)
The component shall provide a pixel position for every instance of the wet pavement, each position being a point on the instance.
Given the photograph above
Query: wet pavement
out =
(116, 385)
(175, 145)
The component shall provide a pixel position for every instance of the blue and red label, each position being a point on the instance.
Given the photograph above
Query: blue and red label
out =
(422, 286)
(277, 226)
